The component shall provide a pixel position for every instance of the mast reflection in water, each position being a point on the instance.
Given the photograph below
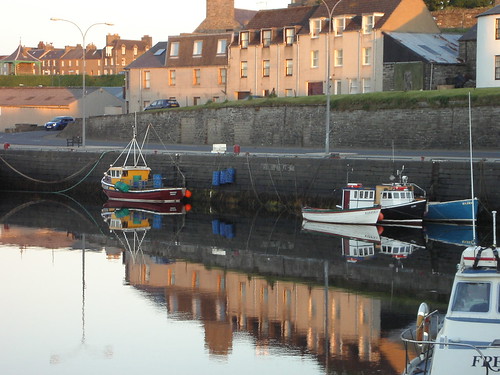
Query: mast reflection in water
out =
(166, 291)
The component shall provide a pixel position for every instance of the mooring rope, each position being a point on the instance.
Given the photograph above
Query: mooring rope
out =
(64, 179)
(46, 182)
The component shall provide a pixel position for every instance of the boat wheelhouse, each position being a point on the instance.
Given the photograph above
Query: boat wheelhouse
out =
(397, 200)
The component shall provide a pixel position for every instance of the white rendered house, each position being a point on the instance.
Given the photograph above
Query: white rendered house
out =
(488, 48)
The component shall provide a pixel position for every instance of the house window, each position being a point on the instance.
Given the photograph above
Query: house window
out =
(124, 49)
(339, 26)
(266, 38)
(123, 61)
(146, 79)
(244, 36)
(244, 69)
(266, 68)
(289, 36)
(109, 51)
(174, 49)
(337, 87)
(135, 50)
(69, 63)
(196, 76)
(197, 47)
(368, 23)
(497, 28)
(222, 76)
(196, 100)
(315, 26)
(172, 75)
(367, 55)
(338, 57)
(289, 92)
(288, 67)
(353, 86)
(497, 67)
(221, 46)
(314, 59)
(367, 85)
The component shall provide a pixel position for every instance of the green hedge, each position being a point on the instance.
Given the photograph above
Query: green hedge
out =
(117, 80)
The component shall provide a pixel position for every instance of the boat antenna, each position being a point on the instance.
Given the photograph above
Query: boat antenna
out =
(471, 174)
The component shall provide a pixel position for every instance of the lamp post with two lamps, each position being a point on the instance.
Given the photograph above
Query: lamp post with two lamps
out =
(84, 47)
(327, 79)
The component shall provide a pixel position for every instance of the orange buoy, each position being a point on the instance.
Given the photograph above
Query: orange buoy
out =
(380, 229)
(188, 207)
(380, 216)
(188, 194)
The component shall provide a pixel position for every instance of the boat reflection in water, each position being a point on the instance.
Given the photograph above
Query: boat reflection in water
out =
(131, 221)
(361, 242)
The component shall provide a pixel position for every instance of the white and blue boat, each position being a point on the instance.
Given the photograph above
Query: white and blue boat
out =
(467, 339)
(458, 211)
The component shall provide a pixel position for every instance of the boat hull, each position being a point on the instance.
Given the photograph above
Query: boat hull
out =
(338, 216)
(159, 195)
(411, 213)
(453, 211)
(367, 233)
(171, 208)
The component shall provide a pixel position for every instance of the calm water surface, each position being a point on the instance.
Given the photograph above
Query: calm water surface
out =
(174, 295)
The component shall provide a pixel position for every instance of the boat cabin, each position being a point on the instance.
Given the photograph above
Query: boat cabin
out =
(125, 219)
(128, 175)
(357, 196)
(355, 250)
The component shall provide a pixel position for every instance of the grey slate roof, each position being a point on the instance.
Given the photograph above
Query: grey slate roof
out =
(489, 12)
(155, 57)
(434, 48)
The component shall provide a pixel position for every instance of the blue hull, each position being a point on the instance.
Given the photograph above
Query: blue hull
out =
(460, 235)
(454, 211)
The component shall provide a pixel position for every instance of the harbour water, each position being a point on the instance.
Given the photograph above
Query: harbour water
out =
(88, 288)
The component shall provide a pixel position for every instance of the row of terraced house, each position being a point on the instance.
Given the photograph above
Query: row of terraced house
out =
(47, 60)
(234, 54)
(364, 45)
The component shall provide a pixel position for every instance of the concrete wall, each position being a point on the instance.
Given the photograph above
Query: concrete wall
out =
(304, 126)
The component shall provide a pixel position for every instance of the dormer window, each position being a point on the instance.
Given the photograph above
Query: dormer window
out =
(369, 22)
(197, 47)
(315, 27)
(221, 46)
(339, 26)
(289, 36)
(174, 49)
(244, 37)
(266, 38)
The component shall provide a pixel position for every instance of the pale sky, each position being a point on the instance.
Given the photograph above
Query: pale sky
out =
(28, 22)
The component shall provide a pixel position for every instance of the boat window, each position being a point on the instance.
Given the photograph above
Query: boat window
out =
(371, 194)
(396, 195)
(471, 297)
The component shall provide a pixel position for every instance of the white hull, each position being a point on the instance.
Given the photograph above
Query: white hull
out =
(367, 233)
(356, 216)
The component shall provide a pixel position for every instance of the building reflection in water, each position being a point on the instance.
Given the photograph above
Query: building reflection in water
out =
(332, 324)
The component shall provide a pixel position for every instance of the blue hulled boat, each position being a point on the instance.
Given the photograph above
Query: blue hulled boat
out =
(459, 211)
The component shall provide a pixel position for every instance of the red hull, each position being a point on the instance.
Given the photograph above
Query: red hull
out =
(162, 195)
(159, 208)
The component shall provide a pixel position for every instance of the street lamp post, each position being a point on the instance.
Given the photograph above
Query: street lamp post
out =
(84, 48)
(327, 79)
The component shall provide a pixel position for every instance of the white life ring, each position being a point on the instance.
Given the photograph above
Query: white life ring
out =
(422, 331)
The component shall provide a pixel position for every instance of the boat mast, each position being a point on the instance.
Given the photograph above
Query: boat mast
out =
(471, 174)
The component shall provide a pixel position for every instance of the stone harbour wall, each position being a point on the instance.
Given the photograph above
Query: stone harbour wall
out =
(282, 180)
(304, 126)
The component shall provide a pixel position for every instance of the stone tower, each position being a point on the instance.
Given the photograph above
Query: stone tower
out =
(219, 18)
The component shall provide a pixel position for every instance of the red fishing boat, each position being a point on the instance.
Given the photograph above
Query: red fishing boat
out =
(129, 179)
